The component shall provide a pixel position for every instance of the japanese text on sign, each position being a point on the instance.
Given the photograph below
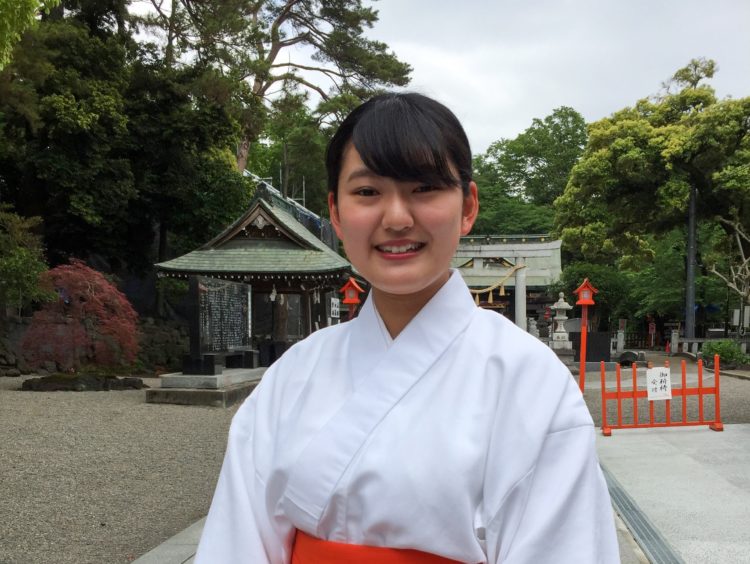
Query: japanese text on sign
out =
(335, 308)
(659, 384)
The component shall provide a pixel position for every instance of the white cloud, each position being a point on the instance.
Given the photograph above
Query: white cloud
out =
(500, 64)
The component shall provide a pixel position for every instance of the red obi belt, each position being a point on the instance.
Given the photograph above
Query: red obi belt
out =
(311, 550)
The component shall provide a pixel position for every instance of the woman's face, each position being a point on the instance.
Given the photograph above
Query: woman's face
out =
(399, 235)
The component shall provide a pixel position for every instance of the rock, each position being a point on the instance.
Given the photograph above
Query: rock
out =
(50, 366)
(13, 372)
(81, 383)
(627, 358)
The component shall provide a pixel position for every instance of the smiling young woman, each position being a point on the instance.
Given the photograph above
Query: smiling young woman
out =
(426, 430)
(400, 235)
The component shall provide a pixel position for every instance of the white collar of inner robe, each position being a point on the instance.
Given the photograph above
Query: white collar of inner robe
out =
(381, 376)
(446, 314)
(386, 336)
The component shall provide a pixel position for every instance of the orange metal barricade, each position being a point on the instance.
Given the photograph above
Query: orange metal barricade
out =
(619, 395)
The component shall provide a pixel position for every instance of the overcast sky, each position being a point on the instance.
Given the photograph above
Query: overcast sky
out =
(499, 64)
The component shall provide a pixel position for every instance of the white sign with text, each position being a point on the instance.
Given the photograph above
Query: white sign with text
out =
(335, 308)
(659, 383)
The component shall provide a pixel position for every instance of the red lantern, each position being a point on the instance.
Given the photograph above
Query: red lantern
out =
(351, 291)
(585, 293)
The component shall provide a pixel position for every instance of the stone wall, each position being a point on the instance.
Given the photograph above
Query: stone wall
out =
(163, 344)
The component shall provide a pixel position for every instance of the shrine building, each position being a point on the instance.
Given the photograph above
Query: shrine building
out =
(268, 280)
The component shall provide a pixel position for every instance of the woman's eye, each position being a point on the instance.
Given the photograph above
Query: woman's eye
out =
(365, 192)
(426, 188)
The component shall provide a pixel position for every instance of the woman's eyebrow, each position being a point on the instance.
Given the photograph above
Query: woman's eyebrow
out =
(361, 172)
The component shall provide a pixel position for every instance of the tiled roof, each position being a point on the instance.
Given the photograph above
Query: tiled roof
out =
(229, 253)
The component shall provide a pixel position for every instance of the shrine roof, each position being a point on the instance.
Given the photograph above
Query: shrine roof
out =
(265, 240)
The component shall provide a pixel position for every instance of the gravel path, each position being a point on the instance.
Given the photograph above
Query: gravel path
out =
(101, 477)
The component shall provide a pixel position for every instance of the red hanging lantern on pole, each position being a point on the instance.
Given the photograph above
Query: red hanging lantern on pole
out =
(351, 291)
(585, 293)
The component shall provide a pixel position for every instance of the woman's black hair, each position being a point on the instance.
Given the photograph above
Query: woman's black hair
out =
(405, 136)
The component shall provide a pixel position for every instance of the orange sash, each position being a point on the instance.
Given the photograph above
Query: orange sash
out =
(311, 550)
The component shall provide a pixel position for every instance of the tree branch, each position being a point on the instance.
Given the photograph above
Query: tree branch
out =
(314, 69)
(294, 78)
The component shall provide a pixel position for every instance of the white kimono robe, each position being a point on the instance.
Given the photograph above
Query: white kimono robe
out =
(464, 437)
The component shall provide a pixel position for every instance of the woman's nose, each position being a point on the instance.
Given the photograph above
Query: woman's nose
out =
(397, 214)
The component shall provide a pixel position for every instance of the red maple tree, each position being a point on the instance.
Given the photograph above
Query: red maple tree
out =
(91, 323)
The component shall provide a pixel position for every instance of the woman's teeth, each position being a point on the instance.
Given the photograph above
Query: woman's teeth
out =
(401, 248)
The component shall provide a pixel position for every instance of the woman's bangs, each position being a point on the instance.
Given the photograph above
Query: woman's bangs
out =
(402, 144)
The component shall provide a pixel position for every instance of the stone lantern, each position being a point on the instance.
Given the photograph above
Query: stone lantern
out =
(560, 338)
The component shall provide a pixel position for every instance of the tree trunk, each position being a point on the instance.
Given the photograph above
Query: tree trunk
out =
(242, 152)
(285, 179)
(690, 268)
(169, 49)
(162, 256)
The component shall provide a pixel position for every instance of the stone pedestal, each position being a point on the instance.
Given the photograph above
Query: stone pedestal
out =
(219, 390)
(228, 377)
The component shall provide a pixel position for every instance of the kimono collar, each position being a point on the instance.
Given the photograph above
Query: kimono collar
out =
(427, 335)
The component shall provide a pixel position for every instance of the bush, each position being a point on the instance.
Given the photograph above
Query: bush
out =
(21, 261)
(729, 352)
(91, 322)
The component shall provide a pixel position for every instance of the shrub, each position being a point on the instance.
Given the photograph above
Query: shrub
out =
(21, 261)
(729, 352)
(90, 323)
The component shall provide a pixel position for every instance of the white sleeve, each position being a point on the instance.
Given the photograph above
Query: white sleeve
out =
(560, 511)
(239, 528)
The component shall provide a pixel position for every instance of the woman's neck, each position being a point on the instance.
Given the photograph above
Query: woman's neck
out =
(397, 310)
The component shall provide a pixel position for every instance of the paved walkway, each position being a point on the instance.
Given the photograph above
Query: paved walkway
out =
(683, 491)
(691, 484)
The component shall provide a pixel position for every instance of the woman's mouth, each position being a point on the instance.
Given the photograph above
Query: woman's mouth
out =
(400, 249)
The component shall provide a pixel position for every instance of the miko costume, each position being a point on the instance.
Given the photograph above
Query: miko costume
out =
(464, 439)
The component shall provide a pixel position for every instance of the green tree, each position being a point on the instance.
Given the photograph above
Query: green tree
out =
(735, 270)
(252, 42)
(519, 178)
(613, 300)
(537, 163)
(508, 215)
(63, 131)
(21, 261)
(294, 149)
(658, 286)
(180, 132)
(650, 168)
(16, 16)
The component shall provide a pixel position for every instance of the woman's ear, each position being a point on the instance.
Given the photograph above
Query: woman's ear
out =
(470, 209)
(333, 212)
